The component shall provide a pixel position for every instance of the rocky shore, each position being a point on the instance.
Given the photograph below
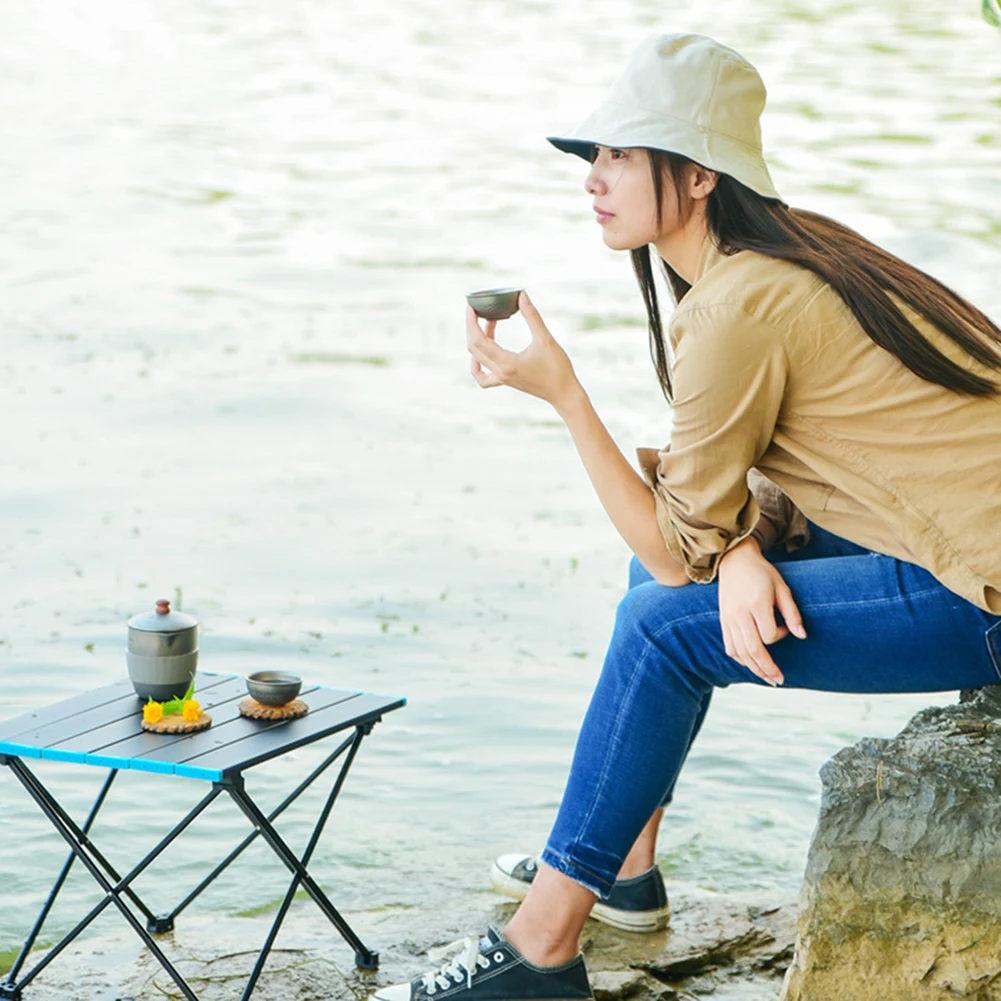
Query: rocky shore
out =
(729, 946)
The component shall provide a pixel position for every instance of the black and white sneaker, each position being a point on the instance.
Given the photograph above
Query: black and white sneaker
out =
(635, 904)
(491, 969)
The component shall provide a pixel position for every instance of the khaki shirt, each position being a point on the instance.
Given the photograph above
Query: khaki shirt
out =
(773, 373)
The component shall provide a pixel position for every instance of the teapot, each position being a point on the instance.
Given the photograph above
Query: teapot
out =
(162, 653)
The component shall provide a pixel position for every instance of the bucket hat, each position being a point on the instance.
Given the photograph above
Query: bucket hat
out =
(686, 94)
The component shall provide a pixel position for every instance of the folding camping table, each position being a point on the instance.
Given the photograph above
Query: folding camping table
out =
(102, 728)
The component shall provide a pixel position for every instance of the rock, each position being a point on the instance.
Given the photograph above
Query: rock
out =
(608, 984)
(902, 895)
(713, 941)
(728, 934)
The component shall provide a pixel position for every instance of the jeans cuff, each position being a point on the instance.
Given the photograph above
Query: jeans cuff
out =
(598, 885)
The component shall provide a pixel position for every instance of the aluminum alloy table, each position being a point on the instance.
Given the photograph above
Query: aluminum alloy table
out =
(102, 728)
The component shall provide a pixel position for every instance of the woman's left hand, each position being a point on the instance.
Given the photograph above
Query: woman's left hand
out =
(542, 369)
(750, 591)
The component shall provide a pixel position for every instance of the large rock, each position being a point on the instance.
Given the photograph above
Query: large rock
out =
(902, 895)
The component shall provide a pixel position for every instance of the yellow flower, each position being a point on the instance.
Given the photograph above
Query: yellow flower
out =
(192, 711)
(152, 712)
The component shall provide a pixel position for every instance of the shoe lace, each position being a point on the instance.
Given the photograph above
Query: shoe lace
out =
(463, 959)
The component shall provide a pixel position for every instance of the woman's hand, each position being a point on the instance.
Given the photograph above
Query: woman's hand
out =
(542, 369)
(750, 589)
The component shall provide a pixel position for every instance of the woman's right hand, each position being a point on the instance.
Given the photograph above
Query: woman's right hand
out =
(542, 369)
(750, 589)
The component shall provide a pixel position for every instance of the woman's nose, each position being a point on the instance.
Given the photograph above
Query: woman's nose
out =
(593, 183)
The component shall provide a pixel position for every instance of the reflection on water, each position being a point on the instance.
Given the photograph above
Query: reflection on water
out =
(234, 240)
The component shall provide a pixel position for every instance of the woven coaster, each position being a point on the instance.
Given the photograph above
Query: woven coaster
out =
(178, 724)
(257, 710)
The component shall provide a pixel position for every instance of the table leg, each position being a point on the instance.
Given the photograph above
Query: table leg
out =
(364, 958)
(81, 836)
(57, 886)
(79, 845)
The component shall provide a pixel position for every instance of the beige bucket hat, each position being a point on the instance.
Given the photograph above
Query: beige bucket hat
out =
(684, 94)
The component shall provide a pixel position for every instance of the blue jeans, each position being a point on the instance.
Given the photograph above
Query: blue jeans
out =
(873, 623)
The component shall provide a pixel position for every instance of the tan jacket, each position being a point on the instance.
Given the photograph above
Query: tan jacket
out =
(772, 371)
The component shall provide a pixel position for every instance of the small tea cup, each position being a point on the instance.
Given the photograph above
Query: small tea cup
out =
(494, 303)
(274, 688)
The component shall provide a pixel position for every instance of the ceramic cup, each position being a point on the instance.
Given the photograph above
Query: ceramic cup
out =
(494, 303)
(274, 688)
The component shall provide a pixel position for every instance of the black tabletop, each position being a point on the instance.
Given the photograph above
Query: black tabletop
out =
(102, 727)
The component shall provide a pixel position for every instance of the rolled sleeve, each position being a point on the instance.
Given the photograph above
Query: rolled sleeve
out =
(729, 377)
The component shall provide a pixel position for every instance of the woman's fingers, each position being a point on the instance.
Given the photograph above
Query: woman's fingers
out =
(727, 639)
(790, 612)
(487, 380)
(535, 322)
(758, 659)
(483, 350)
(483, 347)
(767, 625)
(473, 329)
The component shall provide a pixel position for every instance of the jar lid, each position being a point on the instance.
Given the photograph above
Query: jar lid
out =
(162, 620)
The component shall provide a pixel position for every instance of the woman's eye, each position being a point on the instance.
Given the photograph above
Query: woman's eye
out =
(608, 152)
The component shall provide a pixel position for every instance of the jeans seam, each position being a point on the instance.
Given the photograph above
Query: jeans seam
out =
(604, 765)
(933, 589)
(878, 601)
(650, 641)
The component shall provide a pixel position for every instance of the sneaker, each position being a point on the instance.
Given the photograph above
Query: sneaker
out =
(635, 904)
(491, 969)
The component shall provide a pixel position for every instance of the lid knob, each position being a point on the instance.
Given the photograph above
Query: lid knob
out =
(163, 607)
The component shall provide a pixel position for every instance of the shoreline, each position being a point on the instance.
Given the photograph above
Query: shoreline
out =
(732, 946)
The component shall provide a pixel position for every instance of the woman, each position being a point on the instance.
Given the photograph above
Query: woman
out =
(864, 389)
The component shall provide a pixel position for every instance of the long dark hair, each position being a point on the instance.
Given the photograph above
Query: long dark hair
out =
(864, 275)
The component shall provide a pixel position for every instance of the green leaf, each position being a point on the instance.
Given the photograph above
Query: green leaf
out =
(992, 12)
(174, 706)
(190, 693)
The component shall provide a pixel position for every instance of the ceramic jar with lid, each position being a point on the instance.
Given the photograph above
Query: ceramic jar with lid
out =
(162, 652)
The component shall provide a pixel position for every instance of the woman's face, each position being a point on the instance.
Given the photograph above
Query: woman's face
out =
(622, 187)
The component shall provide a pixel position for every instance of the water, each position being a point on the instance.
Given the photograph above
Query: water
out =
(234, 238)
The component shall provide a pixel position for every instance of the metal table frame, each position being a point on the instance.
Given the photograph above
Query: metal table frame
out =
(354, 711)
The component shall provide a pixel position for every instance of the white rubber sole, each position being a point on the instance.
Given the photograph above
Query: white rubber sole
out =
(635, 921)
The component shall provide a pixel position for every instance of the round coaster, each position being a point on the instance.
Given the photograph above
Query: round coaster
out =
(257, 710)
(178, 724)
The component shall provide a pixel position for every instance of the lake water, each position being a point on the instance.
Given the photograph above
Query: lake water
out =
(234, 240)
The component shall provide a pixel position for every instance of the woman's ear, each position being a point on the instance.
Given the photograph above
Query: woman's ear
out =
(701, 181)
